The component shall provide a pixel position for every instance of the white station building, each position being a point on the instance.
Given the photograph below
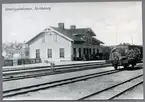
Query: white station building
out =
(59, 43)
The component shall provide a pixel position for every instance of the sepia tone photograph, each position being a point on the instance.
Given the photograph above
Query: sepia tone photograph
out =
(72, 51)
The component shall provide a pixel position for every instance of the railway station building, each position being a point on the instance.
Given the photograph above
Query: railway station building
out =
(59, 43)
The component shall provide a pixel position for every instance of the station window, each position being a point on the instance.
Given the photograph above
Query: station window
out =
(97, 50)
(37, 53)
(84, 51)
(74, 51)
(49, 53)
(79, 52)
(90, 51)
(93, 51)
(61, 50)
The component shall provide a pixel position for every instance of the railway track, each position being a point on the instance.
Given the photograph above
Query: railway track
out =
(31, 70)
(48, 67)
(119, 94)
(43, 72)
(88, 97)
(24, 90)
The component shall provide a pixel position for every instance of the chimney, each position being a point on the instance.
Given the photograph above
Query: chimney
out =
(61, 25)
(72, 27)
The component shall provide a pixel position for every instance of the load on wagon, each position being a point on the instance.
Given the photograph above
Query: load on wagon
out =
(125, 55)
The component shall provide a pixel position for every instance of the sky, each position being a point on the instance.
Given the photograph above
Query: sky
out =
(112, 22)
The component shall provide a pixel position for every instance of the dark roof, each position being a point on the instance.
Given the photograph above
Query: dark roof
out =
(79, 31)
(70, 33)
(74, 31)
(97, 41)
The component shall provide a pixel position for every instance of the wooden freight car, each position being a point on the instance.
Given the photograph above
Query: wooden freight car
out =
(125, 55)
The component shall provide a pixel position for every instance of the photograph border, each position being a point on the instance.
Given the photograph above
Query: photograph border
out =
(68, 1)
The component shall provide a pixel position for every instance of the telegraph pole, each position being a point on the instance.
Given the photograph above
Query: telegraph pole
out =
(132, 39)
(116, 38)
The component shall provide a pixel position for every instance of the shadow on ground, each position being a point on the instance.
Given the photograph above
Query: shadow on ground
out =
(131, 69)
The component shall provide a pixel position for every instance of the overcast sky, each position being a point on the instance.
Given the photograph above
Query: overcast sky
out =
(112, 22)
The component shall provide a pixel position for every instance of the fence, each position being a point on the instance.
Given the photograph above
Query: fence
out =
(8, 62)
(21, 62)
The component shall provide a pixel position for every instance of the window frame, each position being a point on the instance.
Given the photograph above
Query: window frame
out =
(80, 52)
(37, 53)
(61, 53)
(49, 53)
(94, 51)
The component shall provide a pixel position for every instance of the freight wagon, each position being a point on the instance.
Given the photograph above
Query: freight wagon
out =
(125, 55)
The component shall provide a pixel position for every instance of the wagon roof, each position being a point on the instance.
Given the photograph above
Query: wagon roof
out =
(125, 46)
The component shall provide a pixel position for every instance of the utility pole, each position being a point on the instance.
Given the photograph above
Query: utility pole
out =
(132, 39)
(116, 38)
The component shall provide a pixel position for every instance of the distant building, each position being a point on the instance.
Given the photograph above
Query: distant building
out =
(59, 43)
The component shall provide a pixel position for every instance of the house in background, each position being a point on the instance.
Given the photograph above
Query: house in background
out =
(59, 43)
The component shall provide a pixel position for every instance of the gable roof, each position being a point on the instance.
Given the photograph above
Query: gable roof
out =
(34, 38)
(43, 32)
(96, 41)
(70, 34)
(79, 31)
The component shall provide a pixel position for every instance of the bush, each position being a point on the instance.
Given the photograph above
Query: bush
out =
(8, 62)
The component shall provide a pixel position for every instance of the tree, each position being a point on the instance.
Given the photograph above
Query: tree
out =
(11, 48)
(124, 44)
(106, 52)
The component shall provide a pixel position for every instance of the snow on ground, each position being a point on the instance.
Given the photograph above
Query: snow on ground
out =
(76, 90)
(33, 81)
(47, 64)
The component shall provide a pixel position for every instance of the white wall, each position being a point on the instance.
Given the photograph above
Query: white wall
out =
(51, 44)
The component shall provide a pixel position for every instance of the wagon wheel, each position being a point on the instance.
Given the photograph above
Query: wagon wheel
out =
(116, 67)
(125, 66)
(133, 65)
